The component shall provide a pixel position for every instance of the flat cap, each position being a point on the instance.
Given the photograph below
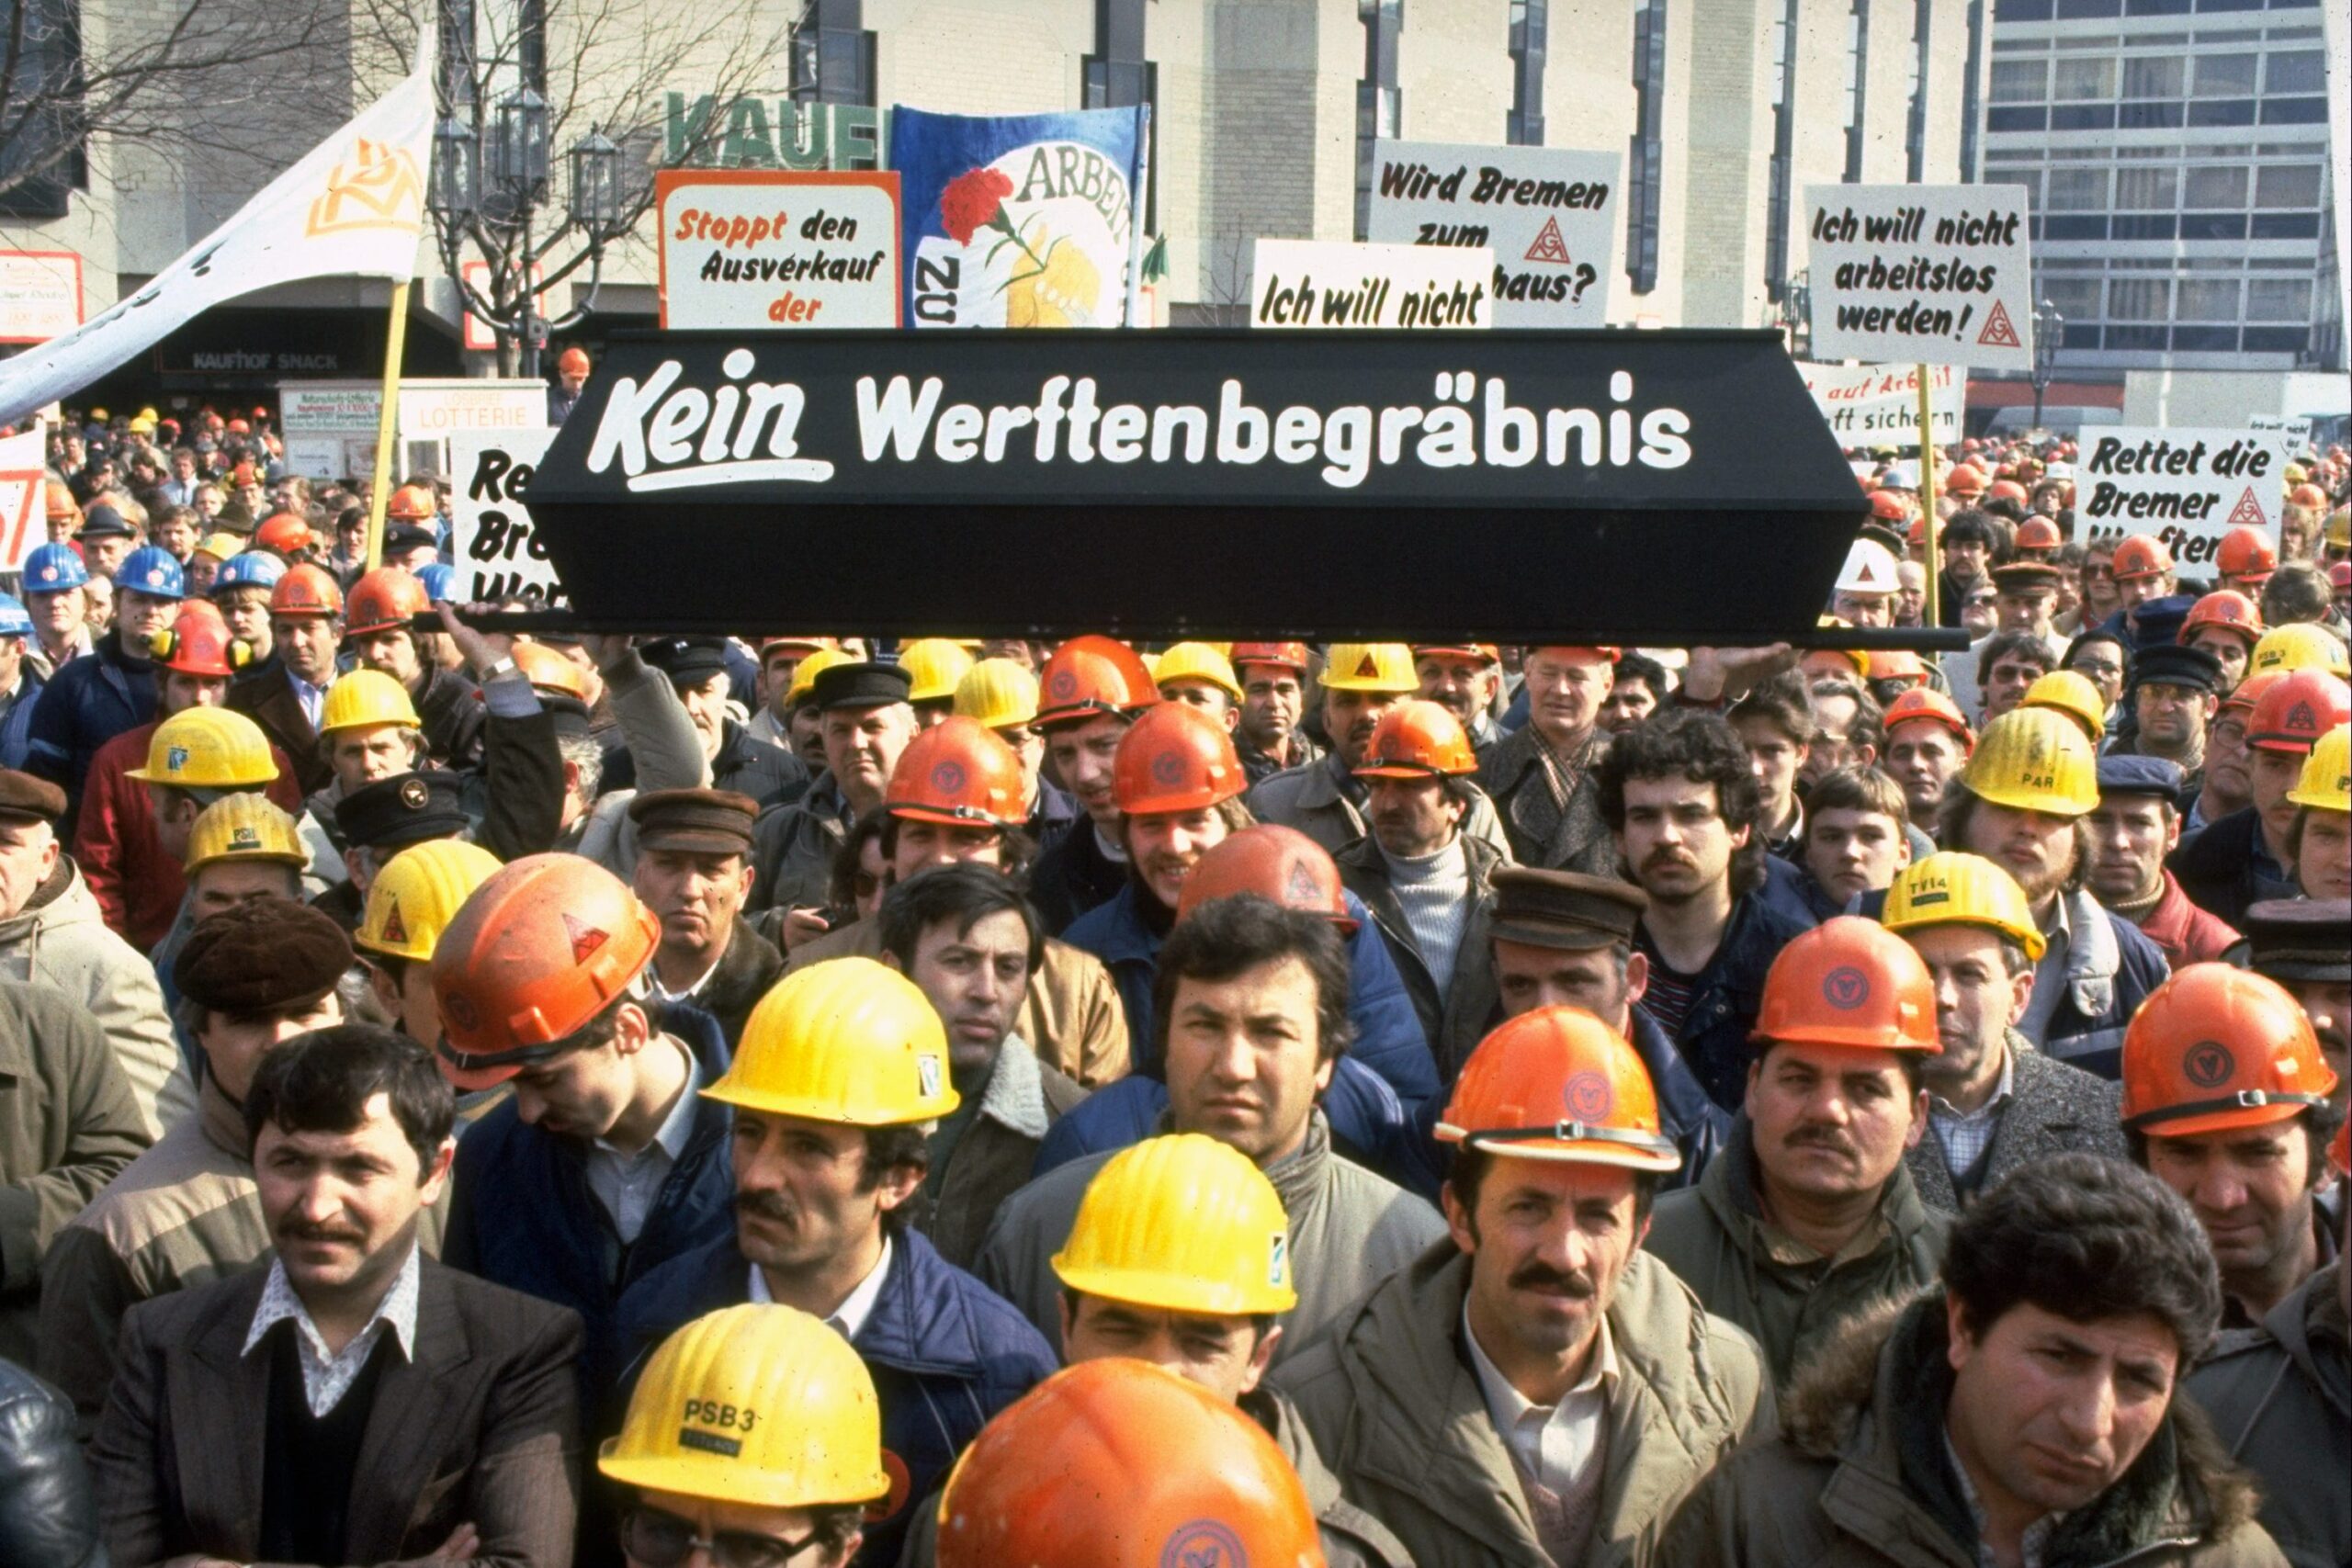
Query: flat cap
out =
(407, 809)
(2139, 775)
(860, 687)
(2171, 665)
(1564, 909)
(2298, 938)
(700, 822)
(687, 661)
(265, 956)
(102, 521)
(2025, 577)
(26, 798)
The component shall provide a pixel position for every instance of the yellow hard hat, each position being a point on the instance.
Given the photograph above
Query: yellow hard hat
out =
(2293, 474)
(805, 673)
(2326, 784)
(207, 749)
(2035, 760)
(219, 547)
(933, 665)
(2338, 531)
(418, 893)
(759, 1404)
(848, 1041)
(1199, 662)
(999, 693)
(364, 699)
(1370, 667)
(2299, 645)
(244, 827)
(2070, 692)
(1183, 1222)
(1956, 889)
(148, 413)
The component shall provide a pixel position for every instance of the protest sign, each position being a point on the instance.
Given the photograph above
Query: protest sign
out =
(1549, 214)
(24, 495)
(1020, 221)
(1923, 274)
(765, 250)
(2186, 487)
(329, 427)
(40, 295)
(1320, 282)
(2297, 431)
(498, 552)
(1878, 405)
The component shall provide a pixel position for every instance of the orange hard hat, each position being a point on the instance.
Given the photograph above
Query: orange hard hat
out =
(284, 533)
(1175, 758)
(1281, 655)
(412, 503)
(961, 773)
(2293, 715)
(1578, 653)
(58, 498)
(1850, 982)
(1897, 664)
(2007, 490)
(306, 589)
(1274, 863)
(1118, 1463)
(2245, 552)
(2039, 534)
(1416, 740)
(197, 643)
(573, 361)
(535, 952)
(1088, 676)
(2140, 556)
(2223, 608)
(245, 470)
(1482, 652)
(1558, 1084)
(2217, 1047)
(2250, 691)
(1924, 701)
(548, 670)
(2306, 495)
(1966, 478)
(1889, 507)
(385, 600)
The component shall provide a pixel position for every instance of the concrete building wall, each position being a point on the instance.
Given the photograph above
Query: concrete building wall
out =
(1454, 71)
(1726, 139)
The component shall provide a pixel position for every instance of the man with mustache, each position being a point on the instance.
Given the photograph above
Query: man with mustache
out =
(1680, 795)
(354, 1402)
(1809, 1215)
(842, 1080)
(2300, 942)
(1541, 778)
(1463, 678)
(2026, 1412)
(1533, 1390)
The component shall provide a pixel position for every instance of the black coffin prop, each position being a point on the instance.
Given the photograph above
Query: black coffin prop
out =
(1615, 486)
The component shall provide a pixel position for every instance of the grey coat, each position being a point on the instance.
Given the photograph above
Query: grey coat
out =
(1576, 839)
(2054, 1108)
(1313, 798)
(2280, 1398)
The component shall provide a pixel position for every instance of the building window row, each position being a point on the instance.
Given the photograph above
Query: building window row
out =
(2094, 10)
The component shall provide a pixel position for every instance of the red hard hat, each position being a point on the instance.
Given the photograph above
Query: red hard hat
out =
(1888, 507)
(197, 643)
(284, 533)
(2039, 534)
(1088, 676)
(2224, 608)
(1966, 478)
(2245, 552)
(1175, 758)
(1416, 740)
(573, 361)
(2007, 490)
(1281, 655)
(2309, 496)
(306, 589)
(385, 600)
(1275, 862)
(1558, 1084)
(2140, 556)
(412, 503)
(1897, 664)
(960, 773)
(2292, 714)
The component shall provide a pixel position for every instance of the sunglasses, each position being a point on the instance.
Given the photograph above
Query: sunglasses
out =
(660, 1539)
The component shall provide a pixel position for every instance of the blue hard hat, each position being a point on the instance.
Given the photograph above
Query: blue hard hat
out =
(248, 569)
(15, 620)
(153, 571)
(53, 568)
(440, 579)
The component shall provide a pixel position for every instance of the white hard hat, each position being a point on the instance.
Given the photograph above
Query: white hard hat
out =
(1870, 568)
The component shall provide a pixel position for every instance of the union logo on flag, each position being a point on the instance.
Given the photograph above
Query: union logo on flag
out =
(379, 187)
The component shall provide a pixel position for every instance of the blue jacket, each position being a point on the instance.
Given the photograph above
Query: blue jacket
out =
(1368, 1123)
(2222, 867)
(946, 1353)
(16, 730)
(522, 1214)
(1729, 993)
(88, 703)
(1388, 1043)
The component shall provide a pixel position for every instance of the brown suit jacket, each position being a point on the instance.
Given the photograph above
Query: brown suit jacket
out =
(482, 1428)
(268, 699)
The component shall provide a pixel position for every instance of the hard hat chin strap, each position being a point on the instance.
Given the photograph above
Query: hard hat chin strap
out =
(1569, 1133)
(2244, 1099)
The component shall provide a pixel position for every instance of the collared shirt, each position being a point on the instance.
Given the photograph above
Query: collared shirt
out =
(1553, 1443)
(327, 1375)
(1965, 1134)
(848, 1320)
(2033, 1546)
(626, 1183)
(687, 993)
(312, 698)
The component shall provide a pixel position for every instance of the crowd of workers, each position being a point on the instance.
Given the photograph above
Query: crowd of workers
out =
(703, 1103)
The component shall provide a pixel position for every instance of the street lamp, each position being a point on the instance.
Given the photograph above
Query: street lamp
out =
(596, 182)
(456, 187)
(2049, 330)
(517, 160)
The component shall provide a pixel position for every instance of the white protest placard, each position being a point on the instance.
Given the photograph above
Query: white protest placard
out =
(1549, 214)
(329, 429)
(1924, 275)
(752, 249)
(1329, 283)
(2297, 431)
(497, 552)
(2186, 487)
(40, 295)
(24, 495)
(1878, 405)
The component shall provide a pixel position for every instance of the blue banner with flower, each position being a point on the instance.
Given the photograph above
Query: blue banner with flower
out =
(1019, 220)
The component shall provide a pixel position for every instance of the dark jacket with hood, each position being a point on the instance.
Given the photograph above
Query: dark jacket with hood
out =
(2280, 1398)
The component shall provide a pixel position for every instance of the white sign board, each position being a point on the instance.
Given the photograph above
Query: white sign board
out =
(1549, 214)
(2186, 487)
(1329, 283)
(1924, 275)
(40, 295)
(767, 250)
(1878, 405)
(2297, 431)
(329, 427)
(496, 551)
(24, 495)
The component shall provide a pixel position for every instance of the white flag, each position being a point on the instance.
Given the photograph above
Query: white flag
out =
(353, 207)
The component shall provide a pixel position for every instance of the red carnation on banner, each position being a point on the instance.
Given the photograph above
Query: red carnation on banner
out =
(971, 200)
